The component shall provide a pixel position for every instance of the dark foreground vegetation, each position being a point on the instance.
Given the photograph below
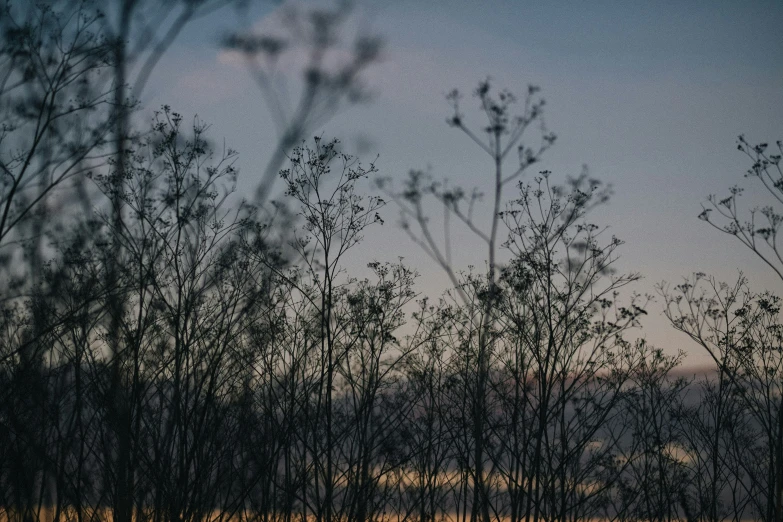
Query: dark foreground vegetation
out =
(171, 353)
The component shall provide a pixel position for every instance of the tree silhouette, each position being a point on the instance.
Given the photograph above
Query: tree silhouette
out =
(172, 352)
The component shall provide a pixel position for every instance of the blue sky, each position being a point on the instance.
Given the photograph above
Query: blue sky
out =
(650, 95)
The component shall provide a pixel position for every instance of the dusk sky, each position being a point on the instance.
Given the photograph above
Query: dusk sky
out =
(649, 95)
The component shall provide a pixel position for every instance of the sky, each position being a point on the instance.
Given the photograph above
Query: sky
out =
(649, 95)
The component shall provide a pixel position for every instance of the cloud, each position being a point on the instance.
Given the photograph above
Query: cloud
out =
(206, 85)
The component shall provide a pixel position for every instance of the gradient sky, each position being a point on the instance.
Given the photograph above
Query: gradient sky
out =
(649, 95)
